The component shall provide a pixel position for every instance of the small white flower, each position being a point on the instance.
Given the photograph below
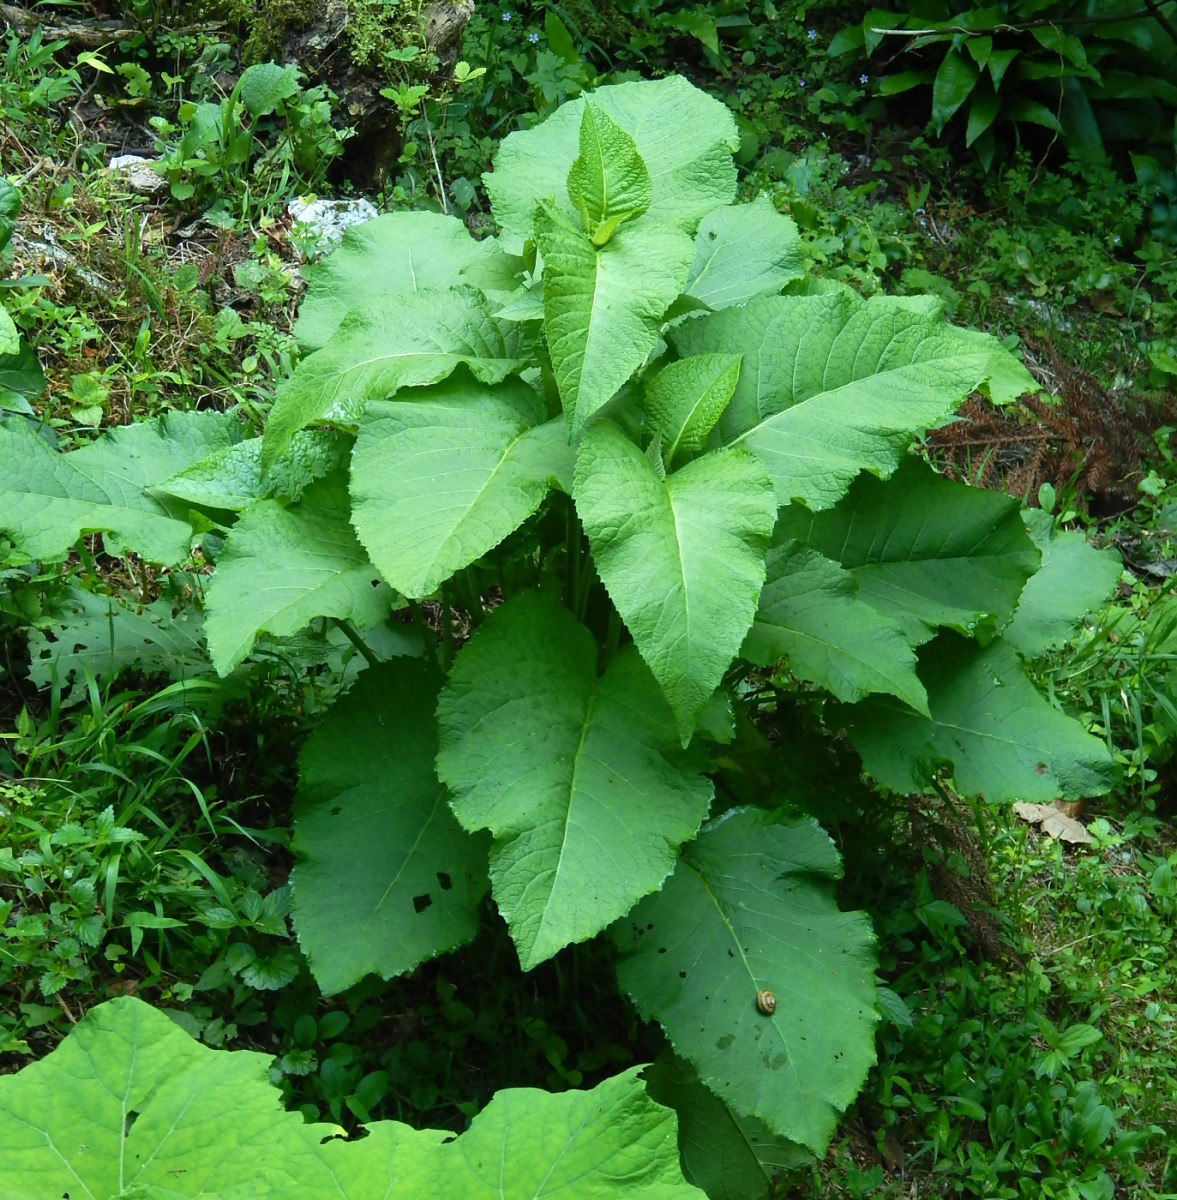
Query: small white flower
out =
(811, 34)
(533, 38)
(864, 79)
(506, 16)
(800, 82)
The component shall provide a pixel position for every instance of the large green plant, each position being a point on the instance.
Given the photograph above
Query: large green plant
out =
(664, 483)
(1103, 76)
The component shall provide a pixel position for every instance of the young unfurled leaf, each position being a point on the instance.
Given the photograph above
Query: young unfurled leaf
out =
(386, 878)
(751, 906)
(682, 557)
(811, 613)
(579, 778)
(441, 479)
(603, 305)
(685, 399)
(608, 183)
(685, 137)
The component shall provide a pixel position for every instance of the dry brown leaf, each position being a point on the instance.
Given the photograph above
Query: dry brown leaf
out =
(1054, 822)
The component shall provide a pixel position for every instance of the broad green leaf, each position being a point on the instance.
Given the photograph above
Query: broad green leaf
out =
(954, 81)
(903, 81)
(730, 1157)
(924, 551)
(833, 384)
(686, 398)
(390, 256)
(381, 347)
(129, 1107)
(88, 632)
(442, 477)
(386, 877)
(526, 1144)
(682, 557)
(1074, 579)
(684, 136)
(744, 251)
(231, 478)
(810, 613)
(579, 778)
(9, 337)
(612, 1143)
(282, 567)
(9, 210)
(1003, 740)
(264, 86)
(982, 112)
(603, 305)
(21, 372)
(608, 183)
(751, 906)
(130, 1100)
(1021, 108)
(999, 61)
(48, 500)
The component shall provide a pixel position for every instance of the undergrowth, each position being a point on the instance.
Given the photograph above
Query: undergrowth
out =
(144, 826)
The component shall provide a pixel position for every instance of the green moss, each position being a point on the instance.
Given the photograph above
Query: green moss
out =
(268, 22)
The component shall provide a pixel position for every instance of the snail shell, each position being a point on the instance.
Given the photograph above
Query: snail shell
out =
(766, 1002)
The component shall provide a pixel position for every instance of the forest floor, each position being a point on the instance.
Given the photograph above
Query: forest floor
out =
(1031, 1046)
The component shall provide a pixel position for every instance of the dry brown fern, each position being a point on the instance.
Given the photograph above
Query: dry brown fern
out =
(1097, 441)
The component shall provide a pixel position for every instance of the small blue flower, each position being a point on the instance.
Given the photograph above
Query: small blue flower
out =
(864, 79)
(800, 82)
(811, 34)
(506, 16)
(533, 38)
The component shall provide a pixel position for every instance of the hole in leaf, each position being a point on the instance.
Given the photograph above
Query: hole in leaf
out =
(421, 903)
(336, 809)
(661, 949)
(445, 881)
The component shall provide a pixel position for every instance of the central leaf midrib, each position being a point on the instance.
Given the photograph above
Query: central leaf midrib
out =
(834, 394)
(590, 705)
(474, 503)
(719, 909)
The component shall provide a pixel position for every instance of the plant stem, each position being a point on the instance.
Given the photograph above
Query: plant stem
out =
(445, 208)
(428, 637)
(447, 629)
(572, 556)
(349, 632)
(612, 637)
